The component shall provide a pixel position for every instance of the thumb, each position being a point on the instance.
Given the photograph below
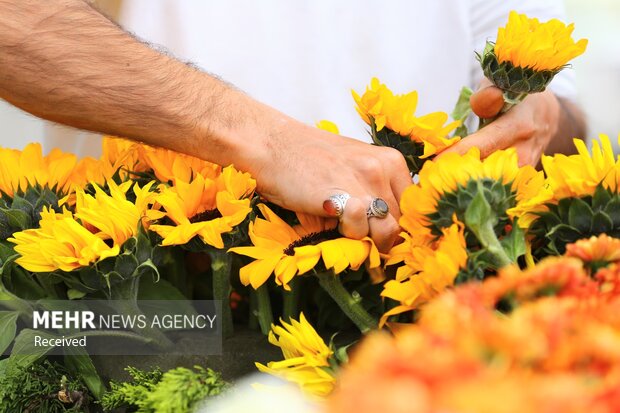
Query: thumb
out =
(487, 101)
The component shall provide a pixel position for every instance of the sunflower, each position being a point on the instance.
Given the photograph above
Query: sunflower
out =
(205, 207)
(307, 359)
(60, 243)
(123, 153)
(430, 267)
(585, 200)
(287, 251)
(120, 157)
(20, 170)
(448, 185)
(393, 123)
(114, 216)
(527, 55)
(170, 166)
(580, 174)
(526, 42)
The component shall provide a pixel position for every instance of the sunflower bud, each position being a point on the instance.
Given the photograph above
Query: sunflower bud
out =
(513, 80)
(528, 54)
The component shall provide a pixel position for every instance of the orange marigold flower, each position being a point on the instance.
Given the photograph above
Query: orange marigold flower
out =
(599, 250)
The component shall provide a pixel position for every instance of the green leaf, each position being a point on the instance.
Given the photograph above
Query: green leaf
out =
(8, 328)
(462, 109)
(580, 215)
(80, 362)
(160, 290)
(25, 352)
(74, 294)
(22, 284)
(514, 243)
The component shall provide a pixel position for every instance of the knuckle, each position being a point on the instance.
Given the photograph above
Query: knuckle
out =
(392, 155)
(528, 129)
(371, 165)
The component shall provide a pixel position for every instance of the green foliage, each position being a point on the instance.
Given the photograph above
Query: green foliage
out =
(34, 389)
(133, 393)
(177, 391)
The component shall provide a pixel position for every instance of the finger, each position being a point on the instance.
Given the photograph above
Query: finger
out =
(383, 232)
(487, 102)
(497, 135)
(354, 223)
(528, 153)
(400, 177)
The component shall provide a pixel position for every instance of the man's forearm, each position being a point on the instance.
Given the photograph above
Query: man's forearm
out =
(572, 124)
(65, 62)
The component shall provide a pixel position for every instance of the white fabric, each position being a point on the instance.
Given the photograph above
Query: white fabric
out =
(303, 57)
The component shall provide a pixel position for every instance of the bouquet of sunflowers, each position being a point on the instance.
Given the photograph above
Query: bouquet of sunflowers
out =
(503, 287)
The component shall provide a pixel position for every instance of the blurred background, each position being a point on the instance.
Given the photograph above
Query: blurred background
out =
(598, 75)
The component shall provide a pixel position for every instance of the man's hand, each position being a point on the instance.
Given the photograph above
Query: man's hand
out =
(299, 167)
(542, 123)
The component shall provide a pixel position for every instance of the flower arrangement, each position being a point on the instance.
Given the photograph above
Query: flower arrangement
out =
(504, 287)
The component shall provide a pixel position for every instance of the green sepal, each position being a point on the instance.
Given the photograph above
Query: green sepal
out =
(412, 151)
(513, 79)
(575, 218)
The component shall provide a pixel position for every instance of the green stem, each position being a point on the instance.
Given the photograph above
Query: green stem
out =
(220, 267)
(486, 235)
(263, 311)
(125, 296)
(252, 319)
(290, 301)
(157, 337)
(349, 304)
(178, 271)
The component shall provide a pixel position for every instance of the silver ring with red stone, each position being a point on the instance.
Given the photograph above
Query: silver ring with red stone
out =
(335, 204)
(378, 209)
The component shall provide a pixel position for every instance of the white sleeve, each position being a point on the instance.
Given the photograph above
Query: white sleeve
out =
(486, 16)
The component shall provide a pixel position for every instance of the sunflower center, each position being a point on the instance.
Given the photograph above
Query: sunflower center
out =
(500, 196)
(312, 239)
(206, 216)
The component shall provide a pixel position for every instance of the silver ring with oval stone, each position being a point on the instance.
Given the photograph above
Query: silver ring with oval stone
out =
(378, 209)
